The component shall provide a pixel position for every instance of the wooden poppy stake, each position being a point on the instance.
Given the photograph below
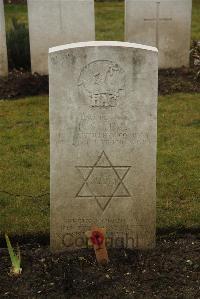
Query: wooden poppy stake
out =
(96, 237)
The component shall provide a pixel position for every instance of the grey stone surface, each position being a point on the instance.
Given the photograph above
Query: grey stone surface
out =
(103, 115)
(3, 47)
(57, 22)
(165, 24)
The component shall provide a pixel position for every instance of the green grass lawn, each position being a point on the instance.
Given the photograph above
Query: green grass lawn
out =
(196, 20)
(109, 19)
(178, 180)
(15, 11)
(24, 164)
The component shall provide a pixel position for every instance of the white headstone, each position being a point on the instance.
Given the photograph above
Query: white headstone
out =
(103, 114)
(57, 22)
(3, 47)
(165, 24)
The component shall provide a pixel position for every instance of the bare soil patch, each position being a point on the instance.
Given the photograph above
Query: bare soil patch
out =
(171, 270)
(21, 84)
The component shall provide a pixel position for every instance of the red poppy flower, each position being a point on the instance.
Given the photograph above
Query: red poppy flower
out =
(97, 238)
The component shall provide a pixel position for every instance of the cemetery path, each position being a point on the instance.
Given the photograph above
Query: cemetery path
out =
(171, 270)
(21, 84)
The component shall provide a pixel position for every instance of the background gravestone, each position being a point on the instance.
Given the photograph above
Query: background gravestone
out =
(3, 47)
(57, 22)
(165, 24)
(103, 114)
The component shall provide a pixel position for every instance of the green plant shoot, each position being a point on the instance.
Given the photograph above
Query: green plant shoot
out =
(15, 258)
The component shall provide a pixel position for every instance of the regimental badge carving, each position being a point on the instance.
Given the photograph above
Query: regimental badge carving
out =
(103, 83)
(103, 181)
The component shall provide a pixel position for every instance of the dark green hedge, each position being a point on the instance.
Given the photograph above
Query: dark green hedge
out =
(18, 46)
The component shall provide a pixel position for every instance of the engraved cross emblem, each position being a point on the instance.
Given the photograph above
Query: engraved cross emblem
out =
(157, 20)
(103, 181)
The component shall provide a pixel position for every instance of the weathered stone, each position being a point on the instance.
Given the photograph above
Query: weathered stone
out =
(3, 47)
(165, 24)
(103, 113)
(57, 22)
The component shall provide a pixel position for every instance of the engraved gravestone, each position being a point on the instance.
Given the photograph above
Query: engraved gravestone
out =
(103, 113)
(165, 24)
(57, 22)
(3, 47)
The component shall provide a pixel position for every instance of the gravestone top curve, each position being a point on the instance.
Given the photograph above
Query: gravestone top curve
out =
(102, 44)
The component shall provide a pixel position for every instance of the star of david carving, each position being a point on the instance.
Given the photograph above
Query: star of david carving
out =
(103, 181)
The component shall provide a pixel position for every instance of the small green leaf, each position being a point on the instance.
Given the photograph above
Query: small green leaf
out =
(15, 258)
